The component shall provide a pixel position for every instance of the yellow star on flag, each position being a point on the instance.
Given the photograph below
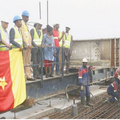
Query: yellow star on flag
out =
(3, 83)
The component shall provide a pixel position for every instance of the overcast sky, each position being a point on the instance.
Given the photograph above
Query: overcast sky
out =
(88, 19)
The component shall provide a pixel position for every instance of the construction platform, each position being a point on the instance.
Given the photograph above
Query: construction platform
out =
(59, 107)
(49, 87)
(50, 96)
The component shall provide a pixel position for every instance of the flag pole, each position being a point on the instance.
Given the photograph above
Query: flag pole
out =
(47, 13)
(40, 9)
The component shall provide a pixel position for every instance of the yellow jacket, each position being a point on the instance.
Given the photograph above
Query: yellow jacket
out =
(25, 41)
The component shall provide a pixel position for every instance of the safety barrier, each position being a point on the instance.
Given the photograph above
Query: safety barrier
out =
(102, 73)
(96, 74)
(41, 64)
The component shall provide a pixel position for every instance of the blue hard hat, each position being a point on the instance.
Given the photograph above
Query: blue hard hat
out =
(17, 18)
(25, 13)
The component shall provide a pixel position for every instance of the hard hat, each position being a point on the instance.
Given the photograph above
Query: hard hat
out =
(17, 18)
(39, 22)
(5, 20)
(25, 13)
(44, 27)
(56, 23)
(67, 26)
(84, 60)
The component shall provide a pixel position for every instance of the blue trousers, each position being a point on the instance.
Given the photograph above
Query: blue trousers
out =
(57, 61)
(113, 94)
(85, 91)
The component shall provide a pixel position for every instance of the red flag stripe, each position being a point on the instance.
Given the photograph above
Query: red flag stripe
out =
(6, 95)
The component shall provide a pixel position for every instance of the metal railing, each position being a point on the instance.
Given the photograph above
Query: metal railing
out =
(42, 62)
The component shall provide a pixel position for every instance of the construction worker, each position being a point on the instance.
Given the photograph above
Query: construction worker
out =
(67, 48)
(27, 44)
(4, 37)
(15, 34)
(83, 79)
(37, 36)
(114, 88)
(61, 43)
(56, 40)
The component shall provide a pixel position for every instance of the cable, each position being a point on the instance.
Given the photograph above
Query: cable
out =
(63, 103)
(66, 93)
(67, 96)
(42, 103)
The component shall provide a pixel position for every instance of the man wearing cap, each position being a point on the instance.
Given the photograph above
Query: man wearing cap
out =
(4, 37)
(56, 40)
(37, 36)
(67, 48)
(15, 34)
(26, 43)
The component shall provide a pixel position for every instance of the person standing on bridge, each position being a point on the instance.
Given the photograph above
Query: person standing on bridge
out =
(49, 50)
(15, 33)
(4, 37)
(68, 48)
(114, 88)
(83, 80)
(37, 37)
(27, 44)
(61, 43)
(56, 41)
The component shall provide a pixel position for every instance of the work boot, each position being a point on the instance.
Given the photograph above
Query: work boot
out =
(118, 104)
(51, 75)
(106, 101)
(30, 79)
(83, 102)
(38, 77)
(88, 101)
(47, 75)
(57, 74)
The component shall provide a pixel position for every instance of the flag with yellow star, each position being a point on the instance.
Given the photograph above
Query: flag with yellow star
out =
(12, 79)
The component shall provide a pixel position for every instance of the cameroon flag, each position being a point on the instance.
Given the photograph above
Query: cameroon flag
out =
(12, 79)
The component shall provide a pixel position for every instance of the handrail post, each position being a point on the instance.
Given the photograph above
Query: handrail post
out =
(62, 63)
(41, 50)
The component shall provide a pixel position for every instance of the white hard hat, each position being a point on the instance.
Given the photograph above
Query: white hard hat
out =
(54, 25)
(5, 20)
(67, 26)
(39, 21)
(84, 60)
(44, 27)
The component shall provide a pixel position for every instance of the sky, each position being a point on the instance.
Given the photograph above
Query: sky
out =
(88, 19)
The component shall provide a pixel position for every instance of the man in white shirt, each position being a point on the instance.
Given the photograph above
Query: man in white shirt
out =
(4, 37)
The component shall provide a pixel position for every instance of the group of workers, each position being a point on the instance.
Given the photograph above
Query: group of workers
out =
(83, 78)
(49, 40)
(52, 41)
